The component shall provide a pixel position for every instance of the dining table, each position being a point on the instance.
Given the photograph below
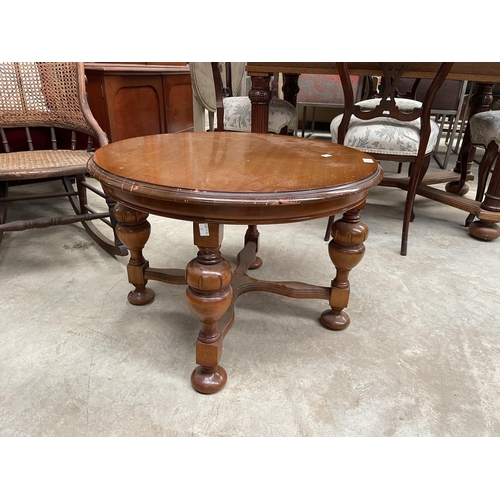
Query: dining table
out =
(484, 75)
(241, 179)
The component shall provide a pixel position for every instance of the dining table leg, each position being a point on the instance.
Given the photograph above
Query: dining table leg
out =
(483, 228)
(252, 235)
(209, 296)
(480, 101)
(346, 249)
(291, 88)
(134, 230)
(260, 96)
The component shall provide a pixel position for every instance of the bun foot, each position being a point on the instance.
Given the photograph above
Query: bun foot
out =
(484, 231)
(141, 297)
(208, 380)
(334, 321)
(256, 263)
(452, 187)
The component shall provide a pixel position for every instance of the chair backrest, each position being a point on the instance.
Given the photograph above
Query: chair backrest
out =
(447, 98)
(392, 74)
(45, 94)
(326, 90)
(202, 81)
(212, 81)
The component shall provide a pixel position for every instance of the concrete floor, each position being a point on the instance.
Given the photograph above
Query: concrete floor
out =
(421, 356)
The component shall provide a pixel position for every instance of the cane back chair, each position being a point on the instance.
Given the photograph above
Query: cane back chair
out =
(391, 128)
(48, 132)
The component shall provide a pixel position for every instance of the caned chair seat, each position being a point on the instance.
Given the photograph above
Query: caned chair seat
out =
(42, 164)
(48, 133)
(385, 135)
(484, 128)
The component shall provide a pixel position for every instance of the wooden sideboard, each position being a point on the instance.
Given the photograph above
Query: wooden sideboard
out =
(137, 99)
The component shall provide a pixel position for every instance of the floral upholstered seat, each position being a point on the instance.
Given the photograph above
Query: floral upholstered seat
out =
(238, 114)
(484, 128)
(390, 128)
(385, 135)
(237, 108)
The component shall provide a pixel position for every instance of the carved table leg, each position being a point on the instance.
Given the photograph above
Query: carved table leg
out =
(260, 96)
(484, 229)
(252, 235)
(291, 88)
(133, 230)
(209, 296)
(484, 170)
(112, 218)
(346, 250)
(480, 101)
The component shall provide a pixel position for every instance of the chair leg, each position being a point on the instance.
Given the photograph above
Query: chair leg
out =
(78, 207)
(4, 188)
(487, 162)
(113, 247)
(304, 109)
(418, 173)
(329, 225)
(313, 124)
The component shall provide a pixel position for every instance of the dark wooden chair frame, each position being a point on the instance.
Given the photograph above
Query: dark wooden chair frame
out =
(28, 164)
(419, 163)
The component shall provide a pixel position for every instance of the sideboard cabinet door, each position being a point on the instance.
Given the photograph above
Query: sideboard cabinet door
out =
(178, 97)
(132, 100)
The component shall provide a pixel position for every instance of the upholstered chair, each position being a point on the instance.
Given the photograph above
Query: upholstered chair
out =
(391, 128)
(485, 133)
(219, 87)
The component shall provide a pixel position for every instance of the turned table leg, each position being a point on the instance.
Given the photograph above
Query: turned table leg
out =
(487, 230)
(209, 296)
(260, 97)
(346, 250)
(480, 101)
(252, 235)
(133, 230)
(291, 88)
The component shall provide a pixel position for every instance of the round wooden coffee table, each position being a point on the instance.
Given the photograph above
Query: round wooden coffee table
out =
(221, 178)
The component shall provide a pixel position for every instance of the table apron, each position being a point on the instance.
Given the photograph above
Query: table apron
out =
(221, 213)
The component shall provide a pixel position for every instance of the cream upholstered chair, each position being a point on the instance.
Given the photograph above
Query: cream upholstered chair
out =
(216, 89)
(446, 110)
(390, 128)
(484, 133)
(323, 91)
(48, 133)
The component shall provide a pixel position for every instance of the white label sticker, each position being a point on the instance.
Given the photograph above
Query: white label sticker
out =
(367, 160)
(204, 229)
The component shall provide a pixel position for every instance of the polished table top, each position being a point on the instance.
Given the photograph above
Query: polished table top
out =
(261, 176)
(471, 71)
(235, 178)
(484, 74)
